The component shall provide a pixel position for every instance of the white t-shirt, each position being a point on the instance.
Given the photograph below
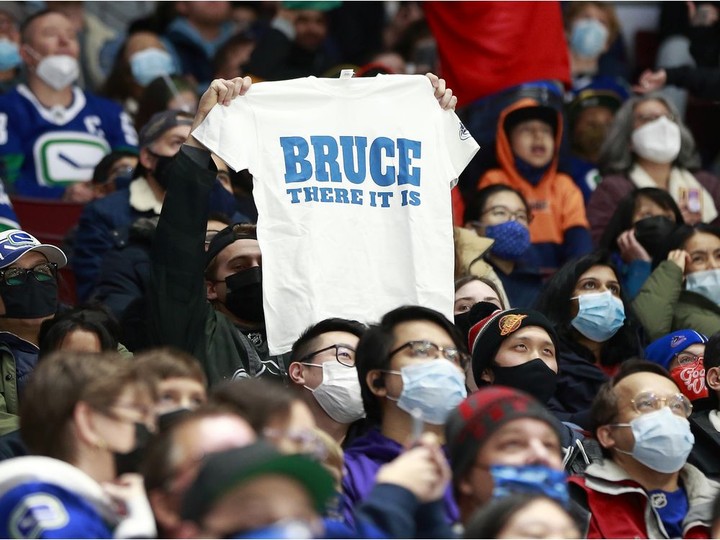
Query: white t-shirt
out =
(352, 183)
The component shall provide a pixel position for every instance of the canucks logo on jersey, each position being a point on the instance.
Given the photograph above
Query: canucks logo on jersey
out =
(45, 149)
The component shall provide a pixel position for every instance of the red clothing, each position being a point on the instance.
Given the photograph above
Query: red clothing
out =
(485, 47)
(619, 507)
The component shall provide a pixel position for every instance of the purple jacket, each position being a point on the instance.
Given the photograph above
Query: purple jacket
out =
(363, 458)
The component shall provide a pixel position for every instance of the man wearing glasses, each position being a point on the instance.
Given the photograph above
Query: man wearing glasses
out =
(411, 372)
(323, 364)
(644, 488)
(28, 296)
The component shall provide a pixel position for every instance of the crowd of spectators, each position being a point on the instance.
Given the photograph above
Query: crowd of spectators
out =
(576, 391)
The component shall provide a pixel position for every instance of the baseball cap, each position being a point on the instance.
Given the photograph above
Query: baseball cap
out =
(160, 122)
(543, 113)
(485, 337)
(662, 350)
(481, 414)
(15, 243)
(220, 472)
(226, 237)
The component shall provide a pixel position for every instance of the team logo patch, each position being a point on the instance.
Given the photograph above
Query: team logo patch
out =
(658, 500)
(15, 241)
(677, 340)
(464, 133)
(65, 157)
(509, 323)
(35, 514)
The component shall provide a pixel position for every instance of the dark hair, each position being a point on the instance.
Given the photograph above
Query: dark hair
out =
(306, 342)
(96, 319)
(604, 409)
(554, 303)
(476, 205)
(711, 358)
(491, 518)
(373, 351)
(102, 169)
(259, 401)
(683, 234)
(715, 516)
(156, 96)
(621, 219)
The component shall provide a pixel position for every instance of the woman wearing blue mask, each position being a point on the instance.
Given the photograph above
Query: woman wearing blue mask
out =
(502, 214)
(684, 290)
(596, 330)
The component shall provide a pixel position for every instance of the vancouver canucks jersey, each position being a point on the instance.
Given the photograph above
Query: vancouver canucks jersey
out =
(43, 150)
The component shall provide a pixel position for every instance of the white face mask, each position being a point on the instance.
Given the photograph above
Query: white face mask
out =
(339, 392)
(657, 141)
(58, 70)
(706, 283)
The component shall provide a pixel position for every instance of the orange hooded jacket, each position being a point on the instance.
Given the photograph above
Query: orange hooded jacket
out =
(556, 202)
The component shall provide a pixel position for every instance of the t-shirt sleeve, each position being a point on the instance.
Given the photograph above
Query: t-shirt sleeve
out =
(230, 133)
(460, 147)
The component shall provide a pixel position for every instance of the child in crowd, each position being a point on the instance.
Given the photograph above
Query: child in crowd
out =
(528, 142)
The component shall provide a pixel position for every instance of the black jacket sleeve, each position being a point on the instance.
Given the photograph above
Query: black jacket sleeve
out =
(702, 82)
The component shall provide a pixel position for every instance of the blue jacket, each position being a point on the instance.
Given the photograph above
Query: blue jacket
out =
(363, 458)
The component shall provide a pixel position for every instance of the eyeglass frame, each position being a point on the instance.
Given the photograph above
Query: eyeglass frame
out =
(513, 216)
(336, 346)
(695, 358)
(26, 271)
(462, 360)
(664, 399)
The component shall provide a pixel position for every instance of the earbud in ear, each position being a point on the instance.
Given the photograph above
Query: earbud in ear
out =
(379, 383)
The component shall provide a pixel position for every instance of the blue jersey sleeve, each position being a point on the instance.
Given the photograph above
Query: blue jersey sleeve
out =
(41, 510)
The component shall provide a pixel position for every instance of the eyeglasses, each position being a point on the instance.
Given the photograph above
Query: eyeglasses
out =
(304, 441)
(687, 358)
(345, 354)
(18, 276)
(505, 214)
(428, 350)
(646, 402)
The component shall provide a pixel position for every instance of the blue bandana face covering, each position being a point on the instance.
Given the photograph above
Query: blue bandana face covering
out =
(512, 240)
(511, 479)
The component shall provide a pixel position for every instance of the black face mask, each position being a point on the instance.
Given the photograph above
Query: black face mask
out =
(533, 377)
(244, 295)
(161, 164)
(653, 234)
(30, 300)
(129, 462)
(465, 321)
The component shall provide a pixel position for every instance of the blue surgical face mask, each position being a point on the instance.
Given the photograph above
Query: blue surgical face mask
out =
(433, 388)
(511, 479)
(588, 38)
(9, 55)
(600, 316)
(149, 64)
(706, 283)
(512, 240)
(663, 440)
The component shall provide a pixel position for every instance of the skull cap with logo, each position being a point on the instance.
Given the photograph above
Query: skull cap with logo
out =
(16, 243)
(485, 337)
(663, 350)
